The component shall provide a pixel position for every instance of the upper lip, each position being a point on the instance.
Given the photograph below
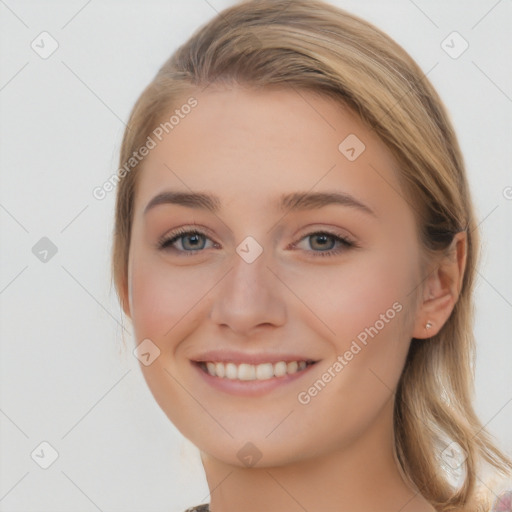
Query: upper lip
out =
(230, 356)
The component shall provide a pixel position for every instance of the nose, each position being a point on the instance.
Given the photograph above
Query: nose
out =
(249, 297)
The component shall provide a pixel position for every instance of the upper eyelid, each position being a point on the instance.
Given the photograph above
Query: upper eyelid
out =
(182, 233)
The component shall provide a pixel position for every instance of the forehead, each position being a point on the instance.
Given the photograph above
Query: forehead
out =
(266, 142)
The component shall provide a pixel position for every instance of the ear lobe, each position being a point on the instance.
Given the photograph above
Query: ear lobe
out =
(442, 289)
(433, 315)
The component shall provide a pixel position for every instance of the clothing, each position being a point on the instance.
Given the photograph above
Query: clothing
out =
(502, 504)
(199, 508)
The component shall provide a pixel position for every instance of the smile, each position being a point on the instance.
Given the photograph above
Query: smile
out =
(247, 372)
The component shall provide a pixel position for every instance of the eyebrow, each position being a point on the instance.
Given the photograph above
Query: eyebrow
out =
(287, 202)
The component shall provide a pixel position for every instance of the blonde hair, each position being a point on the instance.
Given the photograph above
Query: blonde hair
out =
(311, 45)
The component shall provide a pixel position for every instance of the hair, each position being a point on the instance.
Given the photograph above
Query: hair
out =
(313, 46)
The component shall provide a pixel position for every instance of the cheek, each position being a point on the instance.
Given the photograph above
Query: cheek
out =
(366, 305)
(165, 306)
(373, 296)
(164, 299)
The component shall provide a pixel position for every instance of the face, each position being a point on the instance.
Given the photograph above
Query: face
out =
(297, 301)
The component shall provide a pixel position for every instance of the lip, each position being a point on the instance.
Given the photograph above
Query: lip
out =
(230, 356)
(249, 387)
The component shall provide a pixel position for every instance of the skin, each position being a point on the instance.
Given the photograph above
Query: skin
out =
(248, 147)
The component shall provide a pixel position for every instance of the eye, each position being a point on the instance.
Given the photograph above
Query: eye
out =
(183, 240)
(322, 243)
(325, 243)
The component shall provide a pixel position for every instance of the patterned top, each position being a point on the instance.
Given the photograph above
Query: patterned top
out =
(199, 508)
(502, 504)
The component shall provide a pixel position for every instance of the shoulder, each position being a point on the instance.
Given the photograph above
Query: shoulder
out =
(199, 508)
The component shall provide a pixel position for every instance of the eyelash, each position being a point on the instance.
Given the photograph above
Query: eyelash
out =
(167, 240)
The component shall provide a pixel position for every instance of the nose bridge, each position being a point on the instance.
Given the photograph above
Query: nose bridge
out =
(249, 294)
(250, 277)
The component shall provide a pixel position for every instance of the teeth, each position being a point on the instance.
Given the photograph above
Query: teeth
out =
(211, 368)
(280, 369)
(246, 371)
(231, 371)
(292, 367)
(220, 370)
(264, 371)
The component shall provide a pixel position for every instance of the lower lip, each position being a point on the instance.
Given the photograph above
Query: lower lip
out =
(250, 387)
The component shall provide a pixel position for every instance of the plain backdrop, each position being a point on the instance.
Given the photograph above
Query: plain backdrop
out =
(65, 378)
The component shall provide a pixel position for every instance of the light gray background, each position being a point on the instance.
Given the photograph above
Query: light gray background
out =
(65, 378)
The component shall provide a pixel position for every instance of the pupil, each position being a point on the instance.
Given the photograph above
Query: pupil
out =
(195, 240)
(322, 239)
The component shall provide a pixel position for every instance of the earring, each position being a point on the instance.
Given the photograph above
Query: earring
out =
(428, 325)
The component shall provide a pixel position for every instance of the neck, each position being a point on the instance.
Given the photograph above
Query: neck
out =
(363, 476)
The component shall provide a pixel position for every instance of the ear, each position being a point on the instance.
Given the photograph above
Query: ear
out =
(441, 289)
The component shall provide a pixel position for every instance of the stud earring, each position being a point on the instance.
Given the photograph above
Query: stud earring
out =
(428, 325)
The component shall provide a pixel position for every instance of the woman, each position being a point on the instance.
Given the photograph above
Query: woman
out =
(295, 245)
